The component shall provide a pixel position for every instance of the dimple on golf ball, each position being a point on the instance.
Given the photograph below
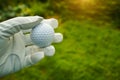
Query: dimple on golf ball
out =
(42, 35)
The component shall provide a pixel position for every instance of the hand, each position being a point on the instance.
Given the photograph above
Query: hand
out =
(16, 48)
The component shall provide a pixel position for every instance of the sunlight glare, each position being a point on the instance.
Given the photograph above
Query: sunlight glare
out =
(87, 3)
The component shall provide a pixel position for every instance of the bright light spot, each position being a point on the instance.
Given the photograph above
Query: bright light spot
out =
(84, 4)
(87, 3)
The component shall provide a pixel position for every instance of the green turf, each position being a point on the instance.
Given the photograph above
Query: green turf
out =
(88, 52)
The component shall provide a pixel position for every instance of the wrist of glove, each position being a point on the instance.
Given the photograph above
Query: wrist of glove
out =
(17, 50)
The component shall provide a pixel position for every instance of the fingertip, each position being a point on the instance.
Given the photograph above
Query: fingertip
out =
(36, 57)
(58, 37)
(52, 21)
(49, 51)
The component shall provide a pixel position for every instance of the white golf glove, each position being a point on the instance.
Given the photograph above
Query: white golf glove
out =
(16, 49)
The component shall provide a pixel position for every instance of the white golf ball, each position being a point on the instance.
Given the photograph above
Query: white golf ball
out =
(42, 35)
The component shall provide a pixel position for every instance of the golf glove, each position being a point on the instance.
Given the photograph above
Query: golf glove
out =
(16, 48)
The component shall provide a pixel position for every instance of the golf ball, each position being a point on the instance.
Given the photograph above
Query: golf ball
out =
(42, 35)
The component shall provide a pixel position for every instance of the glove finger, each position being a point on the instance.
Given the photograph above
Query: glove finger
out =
(58, 37)
(49, 51)
(53, 22)
(14, 25)
(32, 49)
(33, 58)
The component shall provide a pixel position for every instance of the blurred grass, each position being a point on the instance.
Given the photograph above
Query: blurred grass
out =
(88, 52)
(91, 46)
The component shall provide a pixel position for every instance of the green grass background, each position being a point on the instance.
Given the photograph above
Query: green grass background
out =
(88, 52)
(90, 49)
